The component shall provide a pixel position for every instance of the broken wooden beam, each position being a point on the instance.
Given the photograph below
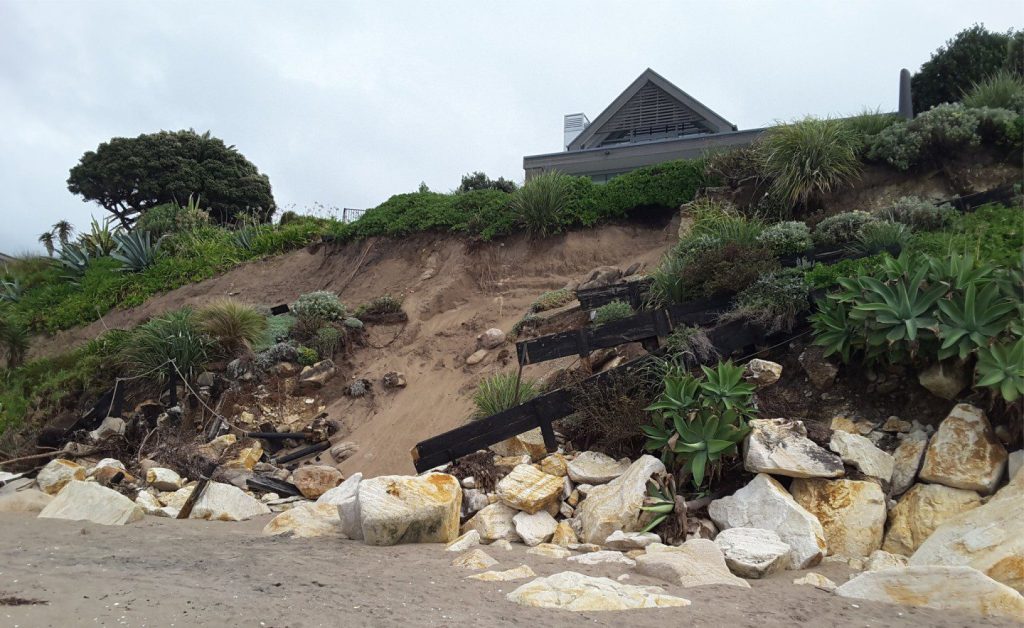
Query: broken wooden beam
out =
(279, 435)
(308, 450)
(273, 485)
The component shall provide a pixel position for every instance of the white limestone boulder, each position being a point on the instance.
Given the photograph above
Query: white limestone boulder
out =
(410, 509)
(852, 513)
(57, 473)
(88, 501)
(695, 563)
(753, 552)
(309, 520)
(907, 459)
(592, 467)
(314, 480)
(224, 502)
(860, 452)
(529, 489)
(626, 541)
(536, 528)
(920, 511)
(573, 591)
(163, 479)
(944, 588)
(27, 500)
(616, 505)
(494, 523)
(964, 452)
(781, 447)
(765, 504)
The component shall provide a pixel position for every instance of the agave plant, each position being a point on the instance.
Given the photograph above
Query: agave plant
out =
(100, 241)
(725, 384)
(834, 331)
(660, 500)
(135, 250)
(1001, 367)
(968, 321)
(959, 271)
(75, 258)
(10, 291)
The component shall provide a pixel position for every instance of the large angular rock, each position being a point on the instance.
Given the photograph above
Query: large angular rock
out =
(316, 479)
(573, 591)
(402, 509)
(464, 542)
(616, 505)
(880, 559)
(346, 496)
(944, 588)
(28, 500)
(152, 507)
(907, 461)
(752, 552)
(944, 379)
(989, 538)
(817, 581)
(494, 522)
(163, 479)
(603, 557)
(695, 563)
(528, 443)
(549, 550)
(224, 502)
(820, 370)
(88, 501)
(536, 528)
(591, 467)
(765, 504)
(781, 447)
(626, 541)
(491, 339)
(517, 573)
(851, 512)
(315, 376)
(57, 473)
(306, 521)
(342, 492)
(964, 452)
(564, 535)
(762, 373)
(861, 453)
(920, 511)
(474, 559)
(529, 489)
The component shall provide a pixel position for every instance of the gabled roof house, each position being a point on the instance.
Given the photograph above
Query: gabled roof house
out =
(651, 122)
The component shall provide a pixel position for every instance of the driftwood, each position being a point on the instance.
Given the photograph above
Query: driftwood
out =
(272, 485)
(308, 450)
(186, 508)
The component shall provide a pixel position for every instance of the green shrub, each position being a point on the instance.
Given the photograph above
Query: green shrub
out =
(328, 341)
(714, 222)
(14, 340)
(992, 234)
(352, 323)
(880, 235)
(869, 123)
(614, 311)
(774, 301)
(384, 304)
(841, 229)
(808, 159)
(784, 238)
(931, 137)
(277, 330)
(827, 275)
(919, 214)
(661, 186)
(552, 300)
(498, 393)
(1002, 90)
(697, 422)
(733, 166)
(704, 272)
(973, 54)
(542, 202)
(234, 327)
(308, 356)
(691, 345)
(480, 181)
(321, 305)
(173, 337)
(172, 218)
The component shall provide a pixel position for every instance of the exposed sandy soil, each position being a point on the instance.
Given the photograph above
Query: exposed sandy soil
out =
(453, 291)
(160, 572)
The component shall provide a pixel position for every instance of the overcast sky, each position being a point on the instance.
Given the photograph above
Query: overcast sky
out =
(347, 103)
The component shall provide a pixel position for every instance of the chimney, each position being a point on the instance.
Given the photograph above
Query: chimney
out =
(574, 124)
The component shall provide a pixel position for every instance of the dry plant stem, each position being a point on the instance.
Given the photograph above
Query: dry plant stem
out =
(48, 454)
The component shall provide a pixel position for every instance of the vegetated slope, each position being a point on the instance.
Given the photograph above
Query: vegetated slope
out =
(452, 290)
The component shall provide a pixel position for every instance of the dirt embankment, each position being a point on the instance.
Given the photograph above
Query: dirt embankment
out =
(452, 290)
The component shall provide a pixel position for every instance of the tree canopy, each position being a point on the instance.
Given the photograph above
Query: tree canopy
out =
(127, 176)
(971, 56)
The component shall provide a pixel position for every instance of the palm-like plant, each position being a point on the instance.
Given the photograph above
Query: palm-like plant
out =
(541, 203)
(46, 239)
(100, 240)
(232, 325)
(501, 392)
(14, 338)
(63, 230)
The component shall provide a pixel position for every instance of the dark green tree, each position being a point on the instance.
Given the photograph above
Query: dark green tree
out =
(972, 55)
(127, 176)
(480, 181)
